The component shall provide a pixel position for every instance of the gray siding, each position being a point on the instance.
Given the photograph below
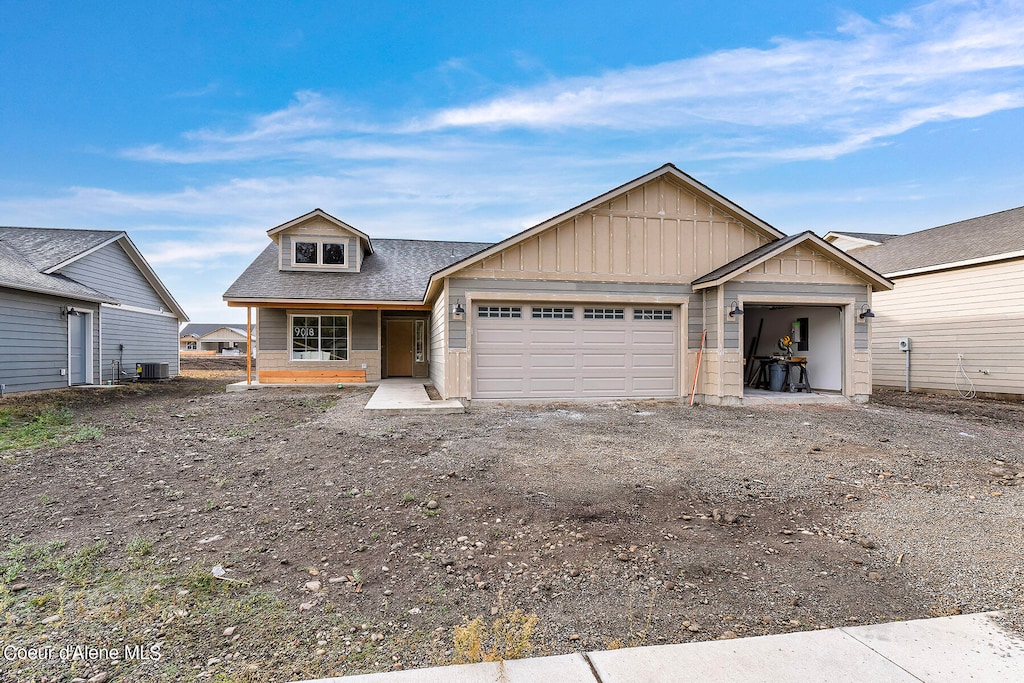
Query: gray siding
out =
(457, 289)
(273, 329)
(364, 331)
(750, 291)
(134, 337)
(110, 271)
(34, 340)
(351, 255)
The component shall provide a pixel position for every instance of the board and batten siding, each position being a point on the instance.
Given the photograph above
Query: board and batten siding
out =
(134, 337)
(111, 271)
(976, 312)
(34, 340)
(657, 232)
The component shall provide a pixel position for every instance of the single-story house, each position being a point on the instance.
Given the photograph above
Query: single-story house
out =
(611, 298)
(211, 339)
(958, 307)
(80, 307)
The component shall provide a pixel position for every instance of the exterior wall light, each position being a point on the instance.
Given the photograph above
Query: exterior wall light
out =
(66, 310)
(734, 309)
(865, 312)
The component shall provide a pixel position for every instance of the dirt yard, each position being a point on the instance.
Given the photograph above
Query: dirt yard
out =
(285, 534)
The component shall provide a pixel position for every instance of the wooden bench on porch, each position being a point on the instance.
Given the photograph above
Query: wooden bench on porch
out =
(311, 376)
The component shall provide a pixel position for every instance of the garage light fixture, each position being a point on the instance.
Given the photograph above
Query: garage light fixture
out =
(734, 309)
(865, 312)
(66, 310)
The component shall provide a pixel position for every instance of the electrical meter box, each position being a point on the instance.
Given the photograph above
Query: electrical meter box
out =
(905, 344)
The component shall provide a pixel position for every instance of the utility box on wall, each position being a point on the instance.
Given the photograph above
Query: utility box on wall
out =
(905, 344)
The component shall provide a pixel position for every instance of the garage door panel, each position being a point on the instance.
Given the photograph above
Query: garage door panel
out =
(512, 334)
(567, 357)
(500, 360)
(599, 337)
(559, 337)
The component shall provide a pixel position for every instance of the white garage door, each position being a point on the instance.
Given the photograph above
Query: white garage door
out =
(565, 351)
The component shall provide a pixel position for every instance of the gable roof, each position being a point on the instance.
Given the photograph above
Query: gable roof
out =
(320, 213)
(975, 240)
(397, 271)
(202, 329)
(45, 251)
(669, 170)
(869, 238)
(721, 275)
(17, 273)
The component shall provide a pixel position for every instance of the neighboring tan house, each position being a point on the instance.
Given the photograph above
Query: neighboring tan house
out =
(609, 299)
(212, 339)
(73, 301)
(959, 299)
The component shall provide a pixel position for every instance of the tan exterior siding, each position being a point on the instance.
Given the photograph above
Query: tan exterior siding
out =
(439, 341)
(801, 262)
(658, 232)
(280, 360)
(977, 312)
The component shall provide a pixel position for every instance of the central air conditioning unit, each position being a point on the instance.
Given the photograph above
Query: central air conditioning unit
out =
(153, 371)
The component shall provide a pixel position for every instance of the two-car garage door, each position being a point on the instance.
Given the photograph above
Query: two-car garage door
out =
(568, 350)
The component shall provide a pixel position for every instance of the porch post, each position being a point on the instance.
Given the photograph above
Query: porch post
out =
(248, 344)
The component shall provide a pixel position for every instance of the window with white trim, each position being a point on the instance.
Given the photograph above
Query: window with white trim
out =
(604, 313)
(556, 312)
(191, 346)
(652, 314)
(319, 337)
(309, 252)
(421, 341)
(499, 312)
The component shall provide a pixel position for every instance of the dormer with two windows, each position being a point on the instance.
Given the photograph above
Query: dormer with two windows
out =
(318, 241)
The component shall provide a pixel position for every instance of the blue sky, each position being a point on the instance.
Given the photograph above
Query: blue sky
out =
(198, 126)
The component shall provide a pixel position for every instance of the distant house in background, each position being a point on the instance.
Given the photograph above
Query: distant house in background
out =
(212, 339)
(73, 301)
(959, 300)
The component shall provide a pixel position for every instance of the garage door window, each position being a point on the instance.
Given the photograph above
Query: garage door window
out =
(652, 314)
(555, 312)
(604, 313)
(499, 311)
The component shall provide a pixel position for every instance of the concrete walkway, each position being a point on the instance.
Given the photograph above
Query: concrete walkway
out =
(406, 396)
(945, 650)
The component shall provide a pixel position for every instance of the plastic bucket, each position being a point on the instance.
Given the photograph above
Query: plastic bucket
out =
(776, 376)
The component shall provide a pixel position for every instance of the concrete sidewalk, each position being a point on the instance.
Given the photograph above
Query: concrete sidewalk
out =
(945, 650)
(406, 396)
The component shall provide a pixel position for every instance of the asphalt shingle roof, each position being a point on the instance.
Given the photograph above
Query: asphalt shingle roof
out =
(17, 272)
(997, 233)
(872, 236)
(44, 248)
(398, 270)
(203, 329)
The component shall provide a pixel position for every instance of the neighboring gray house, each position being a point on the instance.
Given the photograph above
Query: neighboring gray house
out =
(73, 301)
(211, 339)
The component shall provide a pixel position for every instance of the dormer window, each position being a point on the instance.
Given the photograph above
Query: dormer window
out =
(318, 253)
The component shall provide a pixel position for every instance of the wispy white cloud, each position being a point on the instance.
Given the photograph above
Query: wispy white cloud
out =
(873, 80)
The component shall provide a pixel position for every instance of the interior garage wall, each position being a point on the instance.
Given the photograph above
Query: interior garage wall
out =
(825, 339)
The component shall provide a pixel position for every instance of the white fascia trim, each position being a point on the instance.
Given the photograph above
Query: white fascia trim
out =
(859, 240)
(139, 309)
(62, 264)
(337, 303)
(55, 294)
(958, 264)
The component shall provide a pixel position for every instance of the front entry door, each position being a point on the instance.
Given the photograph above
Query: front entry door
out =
(78, 336)
(400, 351)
